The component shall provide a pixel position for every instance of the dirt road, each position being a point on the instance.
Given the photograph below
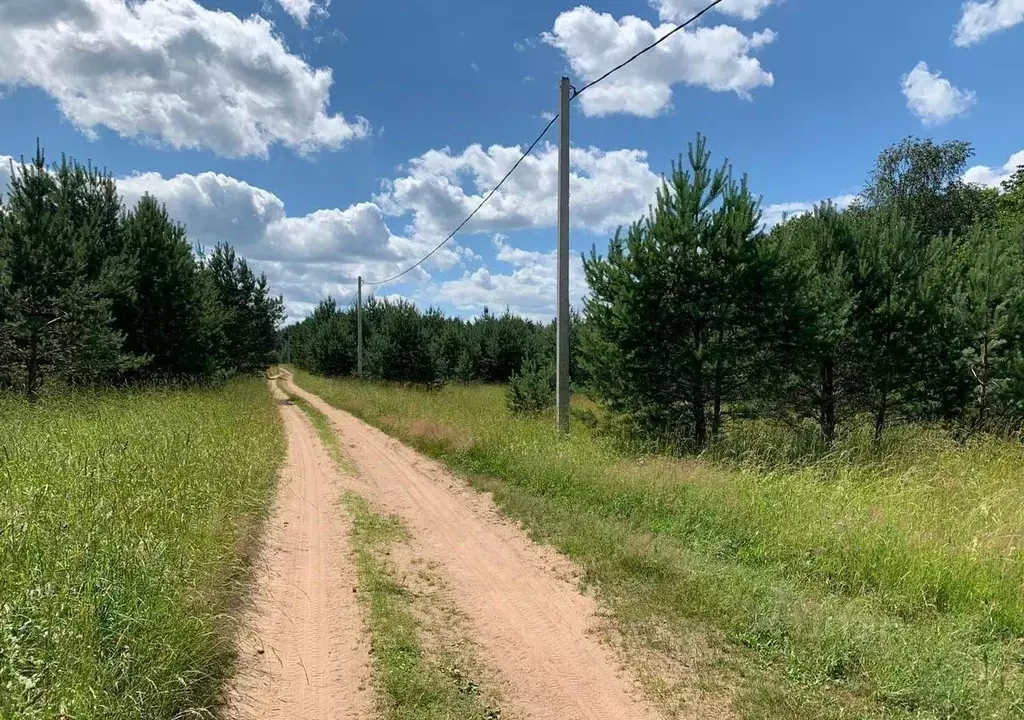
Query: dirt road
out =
(303, 651)
(535, 630)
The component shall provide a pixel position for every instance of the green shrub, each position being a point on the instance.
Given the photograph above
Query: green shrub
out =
(532, 391)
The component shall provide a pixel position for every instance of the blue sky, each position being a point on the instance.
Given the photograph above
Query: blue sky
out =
(328, 141)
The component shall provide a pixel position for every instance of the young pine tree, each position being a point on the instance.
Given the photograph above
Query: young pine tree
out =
(991, 305)
(891, 314)
(819, 249)
(399, 349)
(55, 319)
(165, 321)
(677, 314)
(247, 315)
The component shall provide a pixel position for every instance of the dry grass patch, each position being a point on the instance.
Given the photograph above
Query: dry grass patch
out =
(433, 432)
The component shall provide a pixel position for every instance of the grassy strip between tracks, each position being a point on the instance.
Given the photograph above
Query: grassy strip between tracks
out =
(416, 679)
(127, 519)
(871, 582)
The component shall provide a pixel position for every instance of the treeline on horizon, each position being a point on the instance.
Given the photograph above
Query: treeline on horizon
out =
(94, 293)
(401, 343)
(906, 306)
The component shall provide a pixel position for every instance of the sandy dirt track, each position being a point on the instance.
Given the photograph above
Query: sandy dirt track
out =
(303, 651)
(535, 630)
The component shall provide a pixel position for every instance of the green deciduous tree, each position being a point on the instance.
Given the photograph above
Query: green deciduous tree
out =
(923, 182)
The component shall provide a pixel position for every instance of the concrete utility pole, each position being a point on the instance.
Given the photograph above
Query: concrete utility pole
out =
(562, 353)
(359, 327)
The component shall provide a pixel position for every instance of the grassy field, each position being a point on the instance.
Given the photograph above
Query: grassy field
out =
(869, 582)
(126, 519)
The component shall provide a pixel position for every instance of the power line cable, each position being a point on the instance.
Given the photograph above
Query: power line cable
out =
(475, 210)
(544, 132)
(653, 45)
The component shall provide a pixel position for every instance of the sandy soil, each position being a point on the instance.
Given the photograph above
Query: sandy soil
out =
(534, 628)
(303, 650)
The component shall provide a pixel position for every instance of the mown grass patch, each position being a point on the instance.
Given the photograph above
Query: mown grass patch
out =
(881, 582)
(126, 523)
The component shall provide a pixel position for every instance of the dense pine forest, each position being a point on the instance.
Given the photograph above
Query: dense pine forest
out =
(92, 292)
(907, 305)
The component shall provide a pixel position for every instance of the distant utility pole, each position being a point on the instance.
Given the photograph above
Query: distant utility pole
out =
(562, 353)
(359, 327)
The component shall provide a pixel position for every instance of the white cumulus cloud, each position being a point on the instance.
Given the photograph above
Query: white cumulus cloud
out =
(302, 9)
(981, 19)
(218, 207)
(528, 288)
(305, 257)
(994, 177)
(772, 215)
(171, 72)
(608, 188)
(932, 97)
(718, 58)
(682, 10)
(7, 169)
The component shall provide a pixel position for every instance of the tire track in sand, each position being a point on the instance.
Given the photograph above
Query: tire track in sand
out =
(532, 625)
(303, 649)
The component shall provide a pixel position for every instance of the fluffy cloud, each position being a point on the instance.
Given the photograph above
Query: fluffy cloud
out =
(305, 257)
(994, 177)
(717, 58)
(682, 10)
(608, 189)
(528, 289)
(302, 9)
(217, 207)
(214, 207)
(6, 169)
(981, 19)
(932, 97)
(171, 72)
(774, 214)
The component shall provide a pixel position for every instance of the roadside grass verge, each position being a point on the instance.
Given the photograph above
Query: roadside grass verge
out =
(419, 675)
(865, 583)
(127, 521)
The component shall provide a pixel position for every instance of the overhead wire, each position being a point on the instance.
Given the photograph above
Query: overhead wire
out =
(650, 47)
(576, 94)
(475, 210)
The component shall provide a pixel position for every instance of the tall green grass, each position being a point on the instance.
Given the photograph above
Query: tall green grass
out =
(864, 582)
(125, 522)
